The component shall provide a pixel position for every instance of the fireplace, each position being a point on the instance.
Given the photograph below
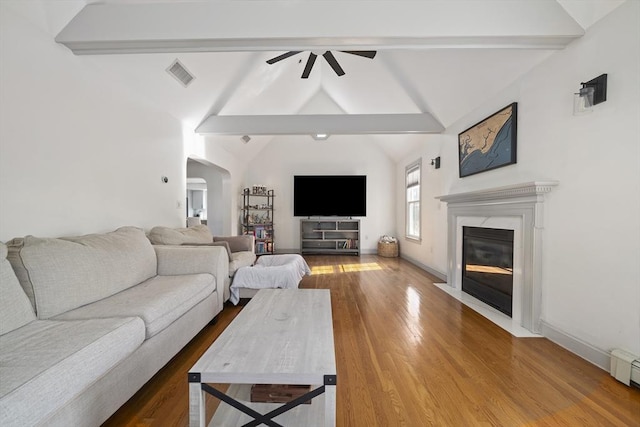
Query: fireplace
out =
(487, 266)
(515, 208)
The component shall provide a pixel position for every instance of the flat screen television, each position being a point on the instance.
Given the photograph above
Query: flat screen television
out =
(330, 195)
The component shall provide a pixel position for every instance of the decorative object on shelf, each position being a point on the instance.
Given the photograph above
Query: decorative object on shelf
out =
(591, 93)
(489, 144)
(259, 190)
(388, 246)
(257, 217)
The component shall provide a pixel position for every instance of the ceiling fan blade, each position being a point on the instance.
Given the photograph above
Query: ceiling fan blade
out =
(365, 53)
(309, 66)
(283, 56)
(334, 64)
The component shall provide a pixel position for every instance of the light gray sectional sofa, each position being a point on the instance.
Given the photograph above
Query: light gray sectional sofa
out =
(86, 321)
(240, 249)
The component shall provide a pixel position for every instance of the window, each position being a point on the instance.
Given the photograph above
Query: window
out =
(412, 175)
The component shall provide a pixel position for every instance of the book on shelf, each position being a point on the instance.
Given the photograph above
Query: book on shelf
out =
(262, 232)
(350, 244)
(264, 247)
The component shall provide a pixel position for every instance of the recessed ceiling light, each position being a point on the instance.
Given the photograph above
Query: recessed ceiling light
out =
(320, 136)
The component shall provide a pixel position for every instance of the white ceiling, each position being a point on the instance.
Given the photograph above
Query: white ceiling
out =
(430, 67)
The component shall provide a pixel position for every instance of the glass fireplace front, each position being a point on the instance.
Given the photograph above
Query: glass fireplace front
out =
(487, 266)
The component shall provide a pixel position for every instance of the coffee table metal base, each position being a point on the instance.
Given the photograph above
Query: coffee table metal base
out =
(259, 418)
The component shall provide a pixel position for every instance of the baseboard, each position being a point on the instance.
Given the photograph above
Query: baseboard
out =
(588, 352)
(425, 267)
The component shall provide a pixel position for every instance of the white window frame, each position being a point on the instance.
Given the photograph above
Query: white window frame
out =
(413, 187)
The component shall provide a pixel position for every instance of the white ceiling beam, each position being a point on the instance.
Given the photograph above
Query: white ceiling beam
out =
(284, 25)
(310, 124)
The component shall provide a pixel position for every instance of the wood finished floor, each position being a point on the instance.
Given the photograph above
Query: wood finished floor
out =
(408, 354)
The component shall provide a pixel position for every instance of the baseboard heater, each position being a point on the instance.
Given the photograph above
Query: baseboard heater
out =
(635, 373)
(625, 367)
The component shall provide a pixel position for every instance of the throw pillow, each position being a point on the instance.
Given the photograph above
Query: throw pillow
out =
(180, 236)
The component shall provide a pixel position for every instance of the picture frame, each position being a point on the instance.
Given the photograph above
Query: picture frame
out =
(490, 143)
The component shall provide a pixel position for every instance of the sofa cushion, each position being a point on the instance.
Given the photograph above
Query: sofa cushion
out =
(180, 236)
(46, 363)
(244, 242)
(15, 307)
(240, 259)
(158, 302)
(65, 273)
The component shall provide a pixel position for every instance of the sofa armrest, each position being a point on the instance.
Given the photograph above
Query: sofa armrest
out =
(178, 260)
(242, 243)
(222, 244)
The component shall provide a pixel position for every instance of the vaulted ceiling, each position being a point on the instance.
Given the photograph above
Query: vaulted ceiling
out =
(436, 59)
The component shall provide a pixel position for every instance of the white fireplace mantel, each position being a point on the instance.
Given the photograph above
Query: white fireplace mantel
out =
(535, 188)
(515, 207)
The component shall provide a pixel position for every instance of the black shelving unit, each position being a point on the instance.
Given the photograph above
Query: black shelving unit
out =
(257, 219)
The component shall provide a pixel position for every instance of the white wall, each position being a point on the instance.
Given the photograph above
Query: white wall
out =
(78, 155)
(287, 156)
(591, 280)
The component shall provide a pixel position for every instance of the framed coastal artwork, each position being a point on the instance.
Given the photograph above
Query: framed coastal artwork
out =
(489, 144)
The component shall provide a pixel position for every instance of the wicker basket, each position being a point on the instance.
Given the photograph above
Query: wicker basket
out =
(388, 249)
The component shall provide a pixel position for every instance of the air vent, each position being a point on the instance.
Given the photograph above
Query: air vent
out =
(180, 73)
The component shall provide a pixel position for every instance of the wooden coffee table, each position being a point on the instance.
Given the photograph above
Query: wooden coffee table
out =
(282, 336)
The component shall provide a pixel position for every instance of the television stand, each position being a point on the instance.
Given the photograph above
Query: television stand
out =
(330, 236)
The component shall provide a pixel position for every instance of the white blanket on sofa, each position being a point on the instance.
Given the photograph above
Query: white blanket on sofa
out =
(270, 271)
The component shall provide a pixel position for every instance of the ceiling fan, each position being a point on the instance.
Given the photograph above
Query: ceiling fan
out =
(327, 55)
